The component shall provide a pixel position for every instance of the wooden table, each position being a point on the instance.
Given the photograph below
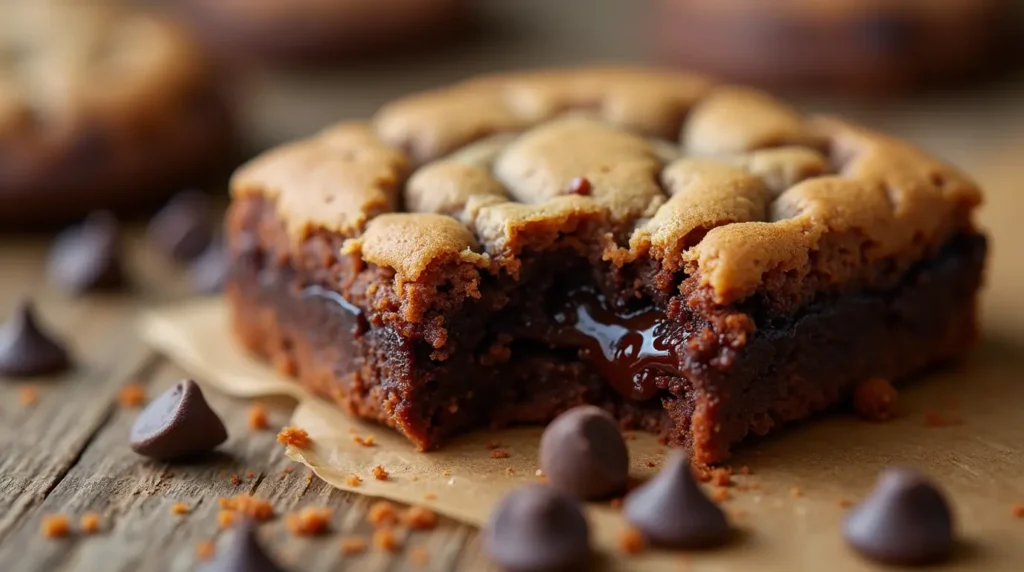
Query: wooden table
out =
(68, 453)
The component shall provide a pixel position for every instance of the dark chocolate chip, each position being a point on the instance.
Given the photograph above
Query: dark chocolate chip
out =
(178, 423)
(905, 521)
(210, 271)
(538, 529)
(26, 349)
(182, 229)
(87, 257)
(583, 453)
(578, 186)
(241, 552)
(671, 509)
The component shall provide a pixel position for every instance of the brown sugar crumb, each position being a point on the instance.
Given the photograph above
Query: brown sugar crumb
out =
(55, 526)
(179, 508)
(721, 495)
(225, 518)
(616, 503)
(236, 480)
(384, 539)
(493, 445)
(419, 556)
(446, 473)
(631, 541)
(510, 471)
(875, 399)
(248, 505)
(258, 417)
(844, 503)
(380, 473)
(419, 518)
(131, 396)
(308, 521)
(796, 492)
(745, 470)
(28, 395)
(430, 496)
(89, 523)
(651, 464)
(250, 475)
(204, 549)
(499, 454)
(382, 513)
(354, 480)
(936, 419)
(1017, 510)
(295, 437)
(353, 545)
(363, 441)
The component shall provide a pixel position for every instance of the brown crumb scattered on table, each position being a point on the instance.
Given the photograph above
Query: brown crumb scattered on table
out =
(446, 473)
(28, 395)
(430, 496)
(363, 441)
(384, 539)
(796, 492)
(353, 545)
(651, 464)
(236, 480)
(179, 508)
(631, 541)
(89, 523)
(354, 480)
(510, 471)
(615, 503)
(419, 556)
(250, 475)
(934, 418)
(380, 473)
(294, 436)
(721, 476)
(55, 526)
(131, 395)
(382, 513)
(844, 503)
(248, 505)
(721, 495)
(258, 417)
(419, 518)
(308, 521)
(875, 399)
(1018, 510)
(225, 518)
(499, 454)
(493, 445)
(745, 470)
(204, 549)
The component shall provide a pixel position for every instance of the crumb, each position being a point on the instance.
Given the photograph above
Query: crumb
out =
(1017, 510)
(258, 417)
(132, 395)
(446, 473)
(89, 523)
(875, 399)
(419, 556)
(179, 508)
(236, 480)
(499, 454)
(248, 505)
(353, 545)
(419, 518)
(250, 475)
(721, 476)
(651, 464)
(384, 539)
(382, 513)
(796, 492)
(738, 513)
(225, 518)
(721, 495)
(616, 503)
(844, 503)
(204, 549)
(353, 481)
(493, 445)
(28, 395)
(745, 470)
(308, 521)
(631, 541)
(363, 441)
(430, 496)
(510, 471)
(935, 419)
(55, 526)
(701, 473)
(380, 473)
(294, 436)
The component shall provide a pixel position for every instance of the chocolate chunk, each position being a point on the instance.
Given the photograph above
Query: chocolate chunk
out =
(905, 521)
(182, 229)
(671, 509)
(578, 186)
(241, 552)
(178, 423)
(538, 528)
(210, 271)
(87, 257)
(26, 349)
(583, 453)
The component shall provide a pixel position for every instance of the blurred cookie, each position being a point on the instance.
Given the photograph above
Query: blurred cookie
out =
(844, 45)
(320, 30)
(101, 106)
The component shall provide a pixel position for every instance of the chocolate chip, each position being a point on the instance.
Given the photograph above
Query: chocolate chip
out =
(178, 423)
(583, 453)
(241, 552)
(538, 528)
(578, 186)
(87, 257)
(905, 521)
(671, 509)
(26, 349)
(182, 229)
(210, 271)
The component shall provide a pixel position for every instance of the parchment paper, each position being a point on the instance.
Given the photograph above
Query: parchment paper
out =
(979, 461)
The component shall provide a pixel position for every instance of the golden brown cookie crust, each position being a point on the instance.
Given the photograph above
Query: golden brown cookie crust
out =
(724, 183)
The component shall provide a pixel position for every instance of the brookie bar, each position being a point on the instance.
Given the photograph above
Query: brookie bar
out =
(699, 260)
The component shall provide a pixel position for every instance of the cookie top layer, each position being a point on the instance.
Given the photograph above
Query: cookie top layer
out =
(67, 64)
(726, 184)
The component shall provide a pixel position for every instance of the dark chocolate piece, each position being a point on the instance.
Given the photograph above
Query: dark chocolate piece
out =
(538, 529)
(178, 423)
(241, 552)
(905, 521)
(672, 510)
(182, 229)
(26, 349)
(583, 453)
(209, 272)
(87, 257)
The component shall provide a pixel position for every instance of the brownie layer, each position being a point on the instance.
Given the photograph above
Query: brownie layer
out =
(710, 375)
